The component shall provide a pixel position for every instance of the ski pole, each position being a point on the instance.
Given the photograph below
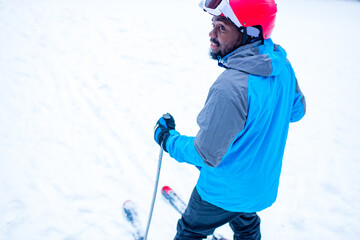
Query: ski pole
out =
(154, 194)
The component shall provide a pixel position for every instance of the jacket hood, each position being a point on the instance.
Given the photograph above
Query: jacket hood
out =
(256, 58)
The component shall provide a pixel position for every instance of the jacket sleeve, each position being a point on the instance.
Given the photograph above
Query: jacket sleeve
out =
(182, 149)
(299, 105)
(222, 118)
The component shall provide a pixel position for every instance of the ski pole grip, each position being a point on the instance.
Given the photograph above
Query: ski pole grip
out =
(167, 116)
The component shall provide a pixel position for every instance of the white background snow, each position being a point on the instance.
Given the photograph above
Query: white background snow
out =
(82, 83)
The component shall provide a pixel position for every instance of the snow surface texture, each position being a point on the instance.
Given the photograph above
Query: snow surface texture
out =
(83, 83)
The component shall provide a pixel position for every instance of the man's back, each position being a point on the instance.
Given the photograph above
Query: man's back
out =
(254, 122)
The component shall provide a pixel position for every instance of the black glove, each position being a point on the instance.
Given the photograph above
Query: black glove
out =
(164, 127)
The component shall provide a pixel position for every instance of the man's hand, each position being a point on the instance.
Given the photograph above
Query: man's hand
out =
(164, 127)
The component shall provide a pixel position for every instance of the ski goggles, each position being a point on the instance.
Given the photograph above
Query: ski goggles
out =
(218, 7)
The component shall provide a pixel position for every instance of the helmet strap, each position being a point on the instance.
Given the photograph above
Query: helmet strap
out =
(261, 34)
(245, 36)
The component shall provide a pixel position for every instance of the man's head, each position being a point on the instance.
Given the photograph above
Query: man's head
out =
(245, 15)
(224, 37)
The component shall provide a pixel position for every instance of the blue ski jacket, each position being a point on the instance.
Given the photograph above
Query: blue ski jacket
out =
(243, 129)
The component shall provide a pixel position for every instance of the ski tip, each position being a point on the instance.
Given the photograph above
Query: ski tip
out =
(128, 203)
(166, 189)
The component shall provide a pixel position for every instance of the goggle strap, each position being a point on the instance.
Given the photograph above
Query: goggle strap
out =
(229, 13)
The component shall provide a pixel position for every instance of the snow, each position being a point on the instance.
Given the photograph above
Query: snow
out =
(83, 83)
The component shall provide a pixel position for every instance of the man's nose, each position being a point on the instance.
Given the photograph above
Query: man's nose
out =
(212, 33)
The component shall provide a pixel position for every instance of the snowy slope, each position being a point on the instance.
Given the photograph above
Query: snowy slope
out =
(83, 83)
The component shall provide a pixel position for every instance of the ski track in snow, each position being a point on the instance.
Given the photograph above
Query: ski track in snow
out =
(83, 83)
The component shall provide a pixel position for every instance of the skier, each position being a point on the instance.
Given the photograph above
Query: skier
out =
(243, 125)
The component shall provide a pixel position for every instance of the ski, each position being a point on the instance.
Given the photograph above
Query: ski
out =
(132, 216)
(180, 206)
(173, 199)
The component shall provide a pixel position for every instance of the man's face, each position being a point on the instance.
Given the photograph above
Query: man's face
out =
(224, 37)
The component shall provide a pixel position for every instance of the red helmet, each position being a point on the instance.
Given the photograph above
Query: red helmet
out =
(248, 12)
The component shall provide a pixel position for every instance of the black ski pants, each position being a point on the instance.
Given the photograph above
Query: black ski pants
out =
(201, 218)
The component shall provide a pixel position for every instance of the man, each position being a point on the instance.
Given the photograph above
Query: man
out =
(243, 125)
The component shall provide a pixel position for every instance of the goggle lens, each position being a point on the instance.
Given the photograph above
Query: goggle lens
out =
(218, 7)
(212, 4)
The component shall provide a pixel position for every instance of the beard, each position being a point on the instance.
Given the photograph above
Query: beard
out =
(215, 55)
(219, 54)
(222, 51)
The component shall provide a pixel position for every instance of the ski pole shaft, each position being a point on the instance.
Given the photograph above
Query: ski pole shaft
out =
(154, 194)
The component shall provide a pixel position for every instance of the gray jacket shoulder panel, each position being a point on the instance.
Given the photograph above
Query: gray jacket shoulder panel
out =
(223, 116)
